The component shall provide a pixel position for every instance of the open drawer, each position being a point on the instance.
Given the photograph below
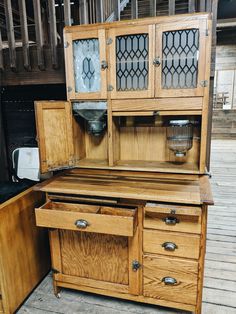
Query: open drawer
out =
(88, 218)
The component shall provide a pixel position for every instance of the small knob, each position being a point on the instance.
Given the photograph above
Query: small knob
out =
(171, 220)
(81, 224)
(169, 281)
(157, 61)
(169, 246)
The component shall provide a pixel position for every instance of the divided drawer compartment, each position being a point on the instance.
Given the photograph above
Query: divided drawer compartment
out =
(173, 218)
(120, 221)
(170, 279)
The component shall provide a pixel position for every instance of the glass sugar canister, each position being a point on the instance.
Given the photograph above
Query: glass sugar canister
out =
(180, 136)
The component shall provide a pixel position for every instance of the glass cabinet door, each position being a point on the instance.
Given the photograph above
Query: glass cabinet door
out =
(180, 59)
(85, 54)
(131, 55)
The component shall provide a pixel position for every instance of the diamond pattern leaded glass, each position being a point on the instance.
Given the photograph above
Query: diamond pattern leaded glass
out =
(180, 58)
(86, 65)
(132, 62)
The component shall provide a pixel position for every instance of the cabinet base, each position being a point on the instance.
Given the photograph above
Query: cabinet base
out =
(127, 296)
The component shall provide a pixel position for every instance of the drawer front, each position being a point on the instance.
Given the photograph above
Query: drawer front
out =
(107, 220)
(171, 243)
(173, 218)
(170, 279)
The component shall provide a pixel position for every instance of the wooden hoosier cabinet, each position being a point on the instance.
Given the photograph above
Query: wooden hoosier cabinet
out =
(129, 218)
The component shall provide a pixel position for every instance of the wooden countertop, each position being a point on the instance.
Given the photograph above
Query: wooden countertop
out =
(173, 188)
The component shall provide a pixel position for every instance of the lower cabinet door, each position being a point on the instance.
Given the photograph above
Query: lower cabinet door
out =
(95, 260)
(171, 279)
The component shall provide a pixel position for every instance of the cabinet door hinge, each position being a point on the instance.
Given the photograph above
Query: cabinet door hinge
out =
(55, 271)
(66, 44)
(204, 83)
(69, 89)
(207, 32)
(109, 41)
(110, 88)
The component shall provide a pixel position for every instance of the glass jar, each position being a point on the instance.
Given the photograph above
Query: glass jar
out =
(180, 136)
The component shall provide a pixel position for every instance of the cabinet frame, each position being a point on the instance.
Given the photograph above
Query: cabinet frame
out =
(112, 34)
(99, 34)
(183, 92)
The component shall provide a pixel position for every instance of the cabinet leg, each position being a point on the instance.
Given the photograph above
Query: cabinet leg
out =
(57, 290)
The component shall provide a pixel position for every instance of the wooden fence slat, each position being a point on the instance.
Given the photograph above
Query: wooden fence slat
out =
(10, 34)
(153, 7)
(100, 11)
(24, 34)
(134, 9)
(116, 10)
(53, 33)
(83, 12)
(39, 34)
(191, 6)
(1, 54)
(171, 7)
(67, 13)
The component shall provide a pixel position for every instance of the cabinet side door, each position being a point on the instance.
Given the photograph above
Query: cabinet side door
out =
(55, 137)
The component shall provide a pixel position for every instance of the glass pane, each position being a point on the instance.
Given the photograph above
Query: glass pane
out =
(180, 58)
(86, 65)
(132, 62)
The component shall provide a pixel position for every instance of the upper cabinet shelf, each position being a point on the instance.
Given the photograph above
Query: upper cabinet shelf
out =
(143, 59)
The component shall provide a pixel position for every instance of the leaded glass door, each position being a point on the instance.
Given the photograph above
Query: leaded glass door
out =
(180, 59)
(86, 64)
(131, 54)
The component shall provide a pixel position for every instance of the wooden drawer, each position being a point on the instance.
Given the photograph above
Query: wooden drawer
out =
(170, 279)
(89, 218)
(172, 218)
(171, 243)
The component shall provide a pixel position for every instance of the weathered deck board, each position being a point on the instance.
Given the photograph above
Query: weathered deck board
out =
(219, 296)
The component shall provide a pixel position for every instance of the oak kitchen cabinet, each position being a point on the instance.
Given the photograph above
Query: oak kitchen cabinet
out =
(128, 219)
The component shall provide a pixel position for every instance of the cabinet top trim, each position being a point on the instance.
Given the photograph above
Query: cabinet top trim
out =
(143, 21)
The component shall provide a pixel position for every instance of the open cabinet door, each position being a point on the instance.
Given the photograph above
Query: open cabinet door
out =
(54, 132)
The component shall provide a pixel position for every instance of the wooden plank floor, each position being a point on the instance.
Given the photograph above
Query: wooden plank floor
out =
(219, 295)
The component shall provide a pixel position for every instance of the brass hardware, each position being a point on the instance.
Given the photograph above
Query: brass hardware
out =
(81, 224)
(66, 44)
(169, 246)
(69, 89)
(135, 265)
(109, 41)
(157, 61)
(173, 211)
(110, 88)
(169, 281)
(204, 83)
(104, 65)
(171, 221)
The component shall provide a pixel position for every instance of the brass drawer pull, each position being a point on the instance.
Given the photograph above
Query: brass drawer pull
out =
(169, 281)
(81, 224)
(171, 220)
(169, 246)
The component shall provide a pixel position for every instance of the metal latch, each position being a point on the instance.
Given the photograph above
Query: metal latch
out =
(204, 83)
(135, 265)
